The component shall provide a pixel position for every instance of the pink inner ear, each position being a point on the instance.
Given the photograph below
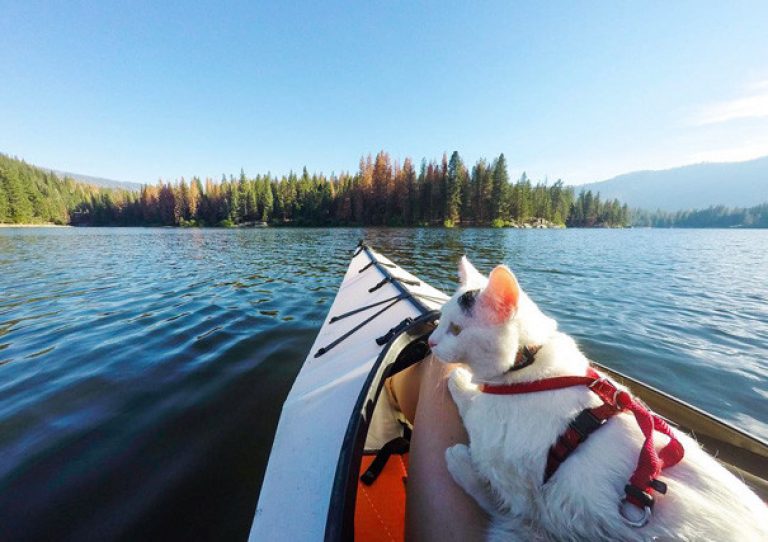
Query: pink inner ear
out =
(501, 295)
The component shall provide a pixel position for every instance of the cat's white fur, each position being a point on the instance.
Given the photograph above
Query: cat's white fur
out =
(509, 435)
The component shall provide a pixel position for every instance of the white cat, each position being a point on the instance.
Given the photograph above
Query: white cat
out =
(485, 325)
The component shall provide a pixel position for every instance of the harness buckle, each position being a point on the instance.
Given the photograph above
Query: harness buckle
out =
(643, 497)
(598, 382)
(608, 391)
(585, 423)
(645, 501)
(602, 386)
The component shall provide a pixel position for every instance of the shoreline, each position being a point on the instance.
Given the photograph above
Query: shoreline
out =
(41, 225)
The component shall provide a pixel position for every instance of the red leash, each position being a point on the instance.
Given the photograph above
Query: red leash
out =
(650, 463)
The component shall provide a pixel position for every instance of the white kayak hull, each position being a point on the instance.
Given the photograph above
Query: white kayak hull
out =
(295, 496)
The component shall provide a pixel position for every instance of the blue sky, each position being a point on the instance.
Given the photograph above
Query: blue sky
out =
(575, 90)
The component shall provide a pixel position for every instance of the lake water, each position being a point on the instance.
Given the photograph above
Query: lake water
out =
(142, 371)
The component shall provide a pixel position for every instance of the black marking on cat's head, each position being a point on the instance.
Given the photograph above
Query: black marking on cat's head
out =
(467, 300)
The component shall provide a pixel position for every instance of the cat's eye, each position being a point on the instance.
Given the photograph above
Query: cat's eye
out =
(454, 329)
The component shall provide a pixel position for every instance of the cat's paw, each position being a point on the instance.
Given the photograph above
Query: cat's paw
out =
(460, 378)
(459, 463)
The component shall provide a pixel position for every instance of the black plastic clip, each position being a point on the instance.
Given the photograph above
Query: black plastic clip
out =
(645, 498)
(585, 423)
(384, 339)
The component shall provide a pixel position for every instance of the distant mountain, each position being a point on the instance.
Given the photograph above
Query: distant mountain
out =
(737, 184)
(96, 181)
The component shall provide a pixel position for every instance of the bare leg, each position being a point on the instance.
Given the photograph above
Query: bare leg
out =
(403, 389)
(436, 507)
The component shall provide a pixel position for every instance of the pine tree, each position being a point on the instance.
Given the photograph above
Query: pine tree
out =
(20, 208)
(195, 194)
(499, 187)
(410, 205)
(381, 179)
(244, 208)
(268, 201)
(466, 212)
(4, 208)
(523, 199)
(424, 195)
(454, 179)
(167, 205)
(433, 193)
(233, 197)
(182, 211)
(481, 181)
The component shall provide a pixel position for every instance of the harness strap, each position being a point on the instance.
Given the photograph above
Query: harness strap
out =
(650, 463)
(587, 422)
(644, 479)
(554, 383)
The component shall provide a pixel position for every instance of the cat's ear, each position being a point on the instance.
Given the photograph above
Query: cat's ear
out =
(467, 272)
(500, 297)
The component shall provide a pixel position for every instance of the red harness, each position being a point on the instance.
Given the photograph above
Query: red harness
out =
(650, 463)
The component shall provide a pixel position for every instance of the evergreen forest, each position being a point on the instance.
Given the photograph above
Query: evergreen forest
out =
(382, 192)
(30, 195)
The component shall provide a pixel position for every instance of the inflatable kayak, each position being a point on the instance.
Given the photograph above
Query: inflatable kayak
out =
(338, 465)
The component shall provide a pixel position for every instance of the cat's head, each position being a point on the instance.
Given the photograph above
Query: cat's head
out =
(486, 321)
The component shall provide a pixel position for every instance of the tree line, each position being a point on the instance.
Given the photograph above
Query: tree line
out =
(717, 216)
(382, 192)
(30, 195)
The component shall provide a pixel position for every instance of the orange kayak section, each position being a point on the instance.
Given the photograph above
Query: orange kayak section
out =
(380, 507)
